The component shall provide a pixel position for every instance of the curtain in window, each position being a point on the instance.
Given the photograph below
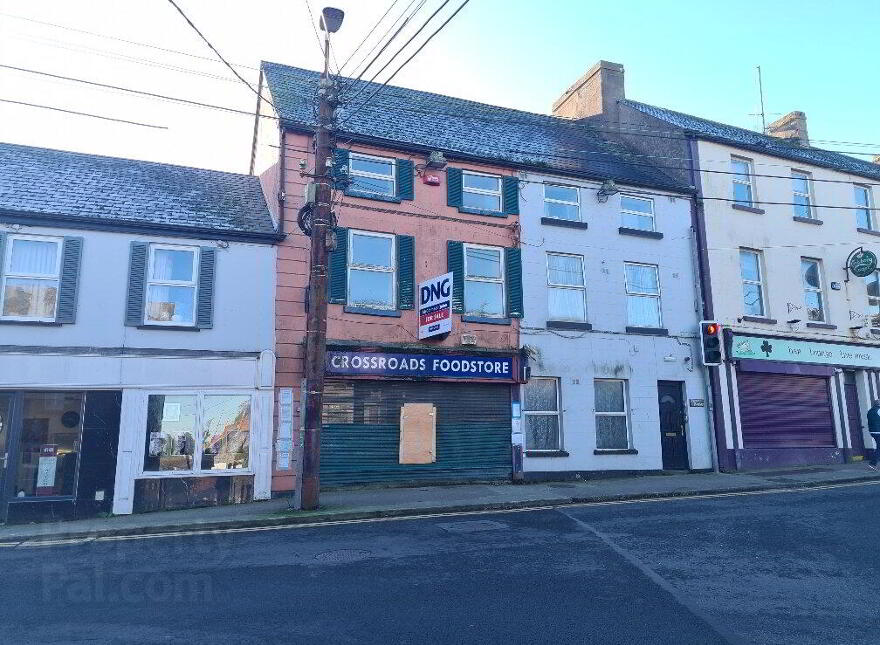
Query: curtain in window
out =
(34, 257)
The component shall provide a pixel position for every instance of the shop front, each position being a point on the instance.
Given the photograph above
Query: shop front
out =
(402, 417)
(797, 402)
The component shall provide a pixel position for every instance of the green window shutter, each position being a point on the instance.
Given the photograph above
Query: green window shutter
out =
(338, 263)
(405, 173)
(340, 167)
(513, 273)
(453, 187)
(205, 295)
(455, 263)
(71, 256)
(510, 195)
(2, 257)
(406, 266)
(137, 276)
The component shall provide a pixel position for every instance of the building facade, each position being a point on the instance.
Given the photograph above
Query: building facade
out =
(136, 362)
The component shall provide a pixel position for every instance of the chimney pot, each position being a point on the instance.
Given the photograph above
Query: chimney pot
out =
(791, 127)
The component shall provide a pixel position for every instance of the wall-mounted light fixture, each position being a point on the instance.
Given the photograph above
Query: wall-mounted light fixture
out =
(608, 189)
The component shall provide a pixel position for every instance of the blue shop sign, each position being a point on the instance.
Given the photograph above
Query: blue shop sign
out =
(346, 363)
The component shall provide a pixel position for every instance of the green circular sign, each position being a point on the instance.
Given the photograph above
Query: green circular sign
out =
(863, 264)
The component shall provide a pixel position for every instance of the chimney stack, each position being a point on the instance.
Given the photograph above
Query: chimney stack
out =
(596, 93)
(877, 159)
(791, 127)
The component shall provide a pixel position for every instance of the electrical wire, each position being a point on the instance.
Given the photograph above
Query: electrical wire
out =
(87, 114)
(369, 33)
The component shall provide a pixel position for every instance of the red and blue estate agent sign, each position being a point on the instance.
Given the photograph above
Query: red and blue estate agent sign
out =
(435, 306)
(353, 363)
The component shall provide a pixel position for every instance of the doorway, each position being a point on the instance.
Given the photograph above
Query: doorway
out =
(854, 415)
(673, 425)
(6, 401)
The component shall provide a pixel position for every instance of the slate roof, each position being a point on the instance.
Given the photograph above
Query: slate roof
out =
(466, 128)
(46, 183)
(742, 138)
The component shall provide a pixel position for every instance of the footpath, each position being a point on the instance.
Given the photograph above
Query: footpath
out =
(372, 503)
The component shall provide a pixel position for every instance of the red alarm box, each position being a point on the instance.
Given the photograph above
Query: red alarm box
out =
(431, 178)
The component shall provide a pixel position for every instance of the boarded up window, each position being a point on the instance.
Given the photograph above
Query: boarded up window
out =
(418, 433)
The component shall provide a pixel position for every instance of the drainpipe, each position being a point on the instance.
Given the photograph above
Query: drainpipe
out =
(282, 178)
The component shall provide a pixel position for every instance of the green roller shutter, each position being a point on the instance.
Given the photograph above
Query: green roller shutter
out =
(455, 263)
(510, 195)
(513, 273)
(453, 187)
(338, 263)
(406, 265)
(405, 189)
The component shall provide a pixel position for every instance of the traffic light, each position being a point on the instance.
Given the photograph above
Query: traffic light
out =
(710, 342)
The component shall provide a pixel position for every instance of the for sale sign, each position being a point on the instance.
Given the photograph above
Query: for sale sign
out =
(435, 306)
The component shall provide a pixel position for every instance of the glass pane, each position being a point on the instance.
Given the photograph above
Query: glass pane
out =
(30, 298)
(802, 206)
(227, 427)
(483, 298)
(562, 211)
(542, 432)
(481, 182)
(370, 250)
(481, 201)
(800, 184)
(566, 304)
(539, 395)
(34, 257)
(562, 193)
(748, 266)
(640, 222)
(640, 205)
(171, 432)
(810, 271)
(863, 219)
(641, 278)
(861, 196)
(50, 437)
(170, 304)
(170, 264)
(372, 185)
(370, 289)
(739, 167)
(753, 300)
(742, 194)
(483, 263)
(815, 310)
(611, 433)
(872, 282)
(643, 311)
(376, 166)
(565, 269)
(609, 396)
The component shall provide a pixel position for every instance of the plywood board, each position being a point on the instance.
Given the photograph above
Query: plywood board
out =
(418, 433)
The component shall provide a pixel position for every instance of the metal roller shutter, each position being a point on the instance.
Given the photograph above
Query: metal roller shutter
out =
(785, 411)
(361, 431)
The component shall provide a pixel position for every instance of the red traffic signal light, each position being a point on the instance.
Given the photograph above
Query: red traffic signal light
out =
(711, 329)
(710, 343)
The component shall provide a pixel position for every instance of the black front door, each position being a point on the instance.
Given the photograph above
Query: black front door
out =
(854, 414)
(673, 422)
(5, 425)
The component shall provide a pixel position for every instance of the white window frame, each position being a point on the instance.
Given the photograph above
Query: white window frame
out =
(820, 290)
(502, 280)
(546, 413)
(737, 179)
(553, 285)
(808, 177)
(872, 224)
(194, 283)
(480, 191)
(652, 215)
(374, 175)
(759, 258)
(196, 470)
(8, 273)
(371, 267)
(576, 204)
(640, 294)
(624, 414)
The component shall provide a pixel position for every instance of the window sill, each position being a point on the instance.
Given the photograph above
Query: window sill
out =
(747, 209)
(612, 451)
(477, 211)
(815, 325)
(373, 196)
(868, 231)
(760, 319)
(565, 223)
(170, 327)
(33, 323)
(179, 474)
(546, 453)
(367, 311)
(568, 324)
(637, 232)
(648, 331)
(486, 320)
(808, 220)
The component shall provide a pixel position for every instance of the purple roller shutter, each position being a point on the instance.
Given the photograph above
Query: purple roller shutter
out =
(785, 411)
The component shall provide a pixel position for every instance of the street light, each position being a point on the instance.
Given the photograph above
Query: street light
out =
(331, 19)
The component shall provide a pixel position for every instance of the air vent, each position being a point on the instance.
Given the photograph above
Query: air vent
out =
(468, 339)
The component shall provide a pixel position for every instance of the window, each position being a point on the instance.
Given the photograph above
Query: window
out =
(864, 214)
(637, 213)
(483, 281)
(371, 270)
(642, 295)
(541, 413)
(803, 203)
(743, 193)
(31, 277)
(752, 282)
(372, 174)
(612, 423)
(171, 285)
(811, 272)
(481, 192)
(197, 432)
(872, 282)
(566, 292)
(562, 202)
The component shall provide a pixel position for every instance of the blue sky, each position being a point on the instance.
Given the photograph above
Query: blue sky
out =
(697, 57)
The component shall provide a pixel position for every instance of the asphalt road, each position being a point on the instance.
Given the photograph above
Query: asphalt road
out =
(798, 567)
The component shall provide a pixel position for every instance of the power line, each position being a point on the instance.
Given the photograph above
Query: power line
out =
(87, 114)
(369, 33)
(382, 38)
